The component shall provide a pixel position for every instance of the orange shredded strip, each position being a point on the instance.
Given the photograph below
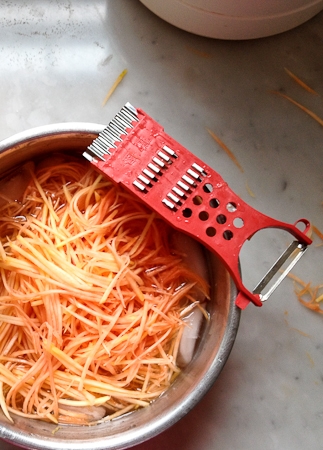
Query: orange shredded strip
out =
(308, 295)
(311, 360)
(250, 192)
(91, 299)
(225, 148)
(197, 52)
(299, 105)
(317, 232)
(114, 86)
(299, 331)
(300, 82)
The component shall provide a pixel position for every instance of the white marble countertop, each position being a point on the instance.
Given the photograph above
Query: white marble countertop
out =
(59, 59)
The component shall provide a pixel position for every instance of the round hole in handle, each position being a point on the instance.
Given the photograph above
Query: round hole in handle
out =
(210, 231)
(197, 200)
(203, 215)
(227, 234)
(214, 203)
(208, 187)
(303, 225)
(221, 218)
(187, 212)
(231, 207)
(238, 222)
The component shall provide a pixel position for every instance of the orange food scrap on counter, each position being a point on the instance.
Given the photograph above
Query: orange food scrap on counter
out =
(300, 82)
(198, 52)
(318, 233)
(225, 148)
(302, 107)
(250, 192)
(114, 86)
(293, 328)
(311, 360)
(308, 295)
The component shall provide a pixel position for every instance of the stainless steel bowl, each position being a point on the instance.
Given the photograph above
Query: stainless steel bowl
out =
(213, 349)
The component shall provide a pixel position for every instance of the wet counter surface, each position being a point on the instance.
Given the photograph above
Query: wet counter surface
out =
(59, 60)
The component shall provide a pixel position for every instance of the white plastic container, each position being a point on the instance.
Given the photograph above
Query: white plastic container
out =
(235, 19)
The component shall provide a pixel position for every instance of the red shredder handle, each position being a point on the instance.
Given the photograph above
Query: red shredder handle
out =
(234, 221)
(223, 222)
(136, 153)
(220, 220)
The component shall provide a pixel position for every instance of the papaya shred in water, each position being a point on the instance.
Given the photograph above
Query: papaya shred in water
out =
(91, 298)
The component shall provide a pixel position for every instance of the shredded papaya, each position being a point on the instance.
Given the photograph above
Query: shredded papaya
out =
(308, 294)
(314, 116)
(225, 148)
(91, 298)
(300, 82)
(114, 86)
(318, 233)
